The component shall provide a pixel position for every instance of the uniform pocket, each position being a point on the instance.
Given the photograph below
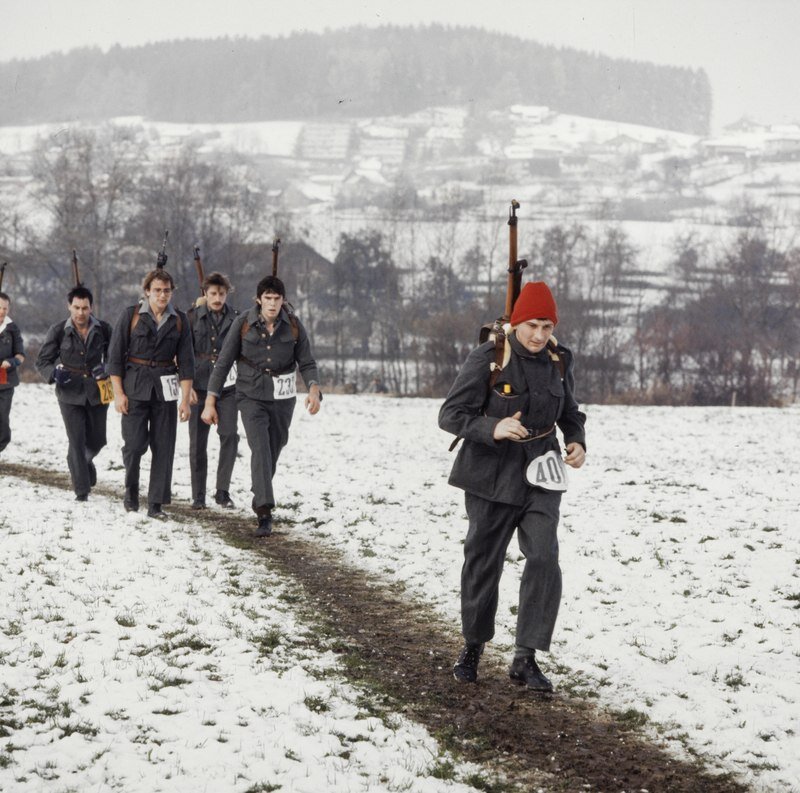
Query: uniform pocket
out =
(501, 405)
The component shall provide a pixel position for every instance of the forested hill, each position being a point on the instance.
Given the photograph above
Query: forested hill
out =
(353, 72)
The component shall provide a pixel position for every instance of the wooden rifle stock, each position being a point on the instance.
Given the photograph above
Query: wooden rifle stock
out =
(276, 244)
(515, 266)
(495, 330)
(198, 265)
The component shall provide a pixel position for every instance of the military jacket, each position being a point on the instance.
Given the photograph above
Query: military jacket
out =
(10, 345)
(157, 351)
(532, 384)
(208, 338)
(260, 355)
(63, 344)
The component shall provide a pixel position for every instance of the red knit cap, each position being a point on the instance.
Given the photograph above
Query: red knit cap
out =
(535, 301)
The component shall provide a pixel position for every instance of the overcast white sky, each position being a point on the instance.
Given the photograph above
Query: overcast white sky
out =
(748, 47)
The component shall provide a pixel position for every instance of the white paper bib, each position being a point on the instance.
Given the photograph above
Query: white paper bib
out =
(548, 471)
(170, 388)
(285, 385)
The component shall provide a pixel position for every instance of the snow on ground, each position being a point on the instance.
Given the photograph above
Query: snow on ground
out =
(145, 656)
(678, 544)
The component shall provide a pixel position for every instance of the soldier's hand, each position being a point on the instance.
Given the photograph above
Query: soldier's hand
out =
(510, 428)
(576, 455)
(61, 375)
(209, 415)
(121, 404)
(313, 402)
(193, 397)
(184, 410)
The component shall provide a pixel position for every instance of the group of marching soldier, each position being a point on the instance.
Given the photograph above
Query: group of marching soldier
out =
(505, 404)
(210, 360)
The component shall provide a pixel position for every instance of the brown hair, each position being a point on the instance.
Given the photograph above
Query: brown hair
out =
(217, 279)
(157, 275)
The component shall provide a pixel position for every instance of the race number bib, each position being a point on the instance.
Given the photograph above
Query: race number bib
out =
(231, 378)
(170, 388)
(106, 391)
(547, 471)
(285, 385)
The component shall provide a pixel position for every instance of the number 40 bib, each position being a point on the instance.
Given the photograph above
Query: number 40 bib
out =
(547, 471)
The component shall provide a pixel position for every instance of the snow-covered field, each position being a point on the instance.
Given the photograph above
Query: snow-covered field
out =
(145, 656)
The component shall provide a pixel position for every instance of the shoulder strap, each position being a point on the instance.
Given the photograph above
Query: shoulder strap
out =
(499, 352)
(60, 335)
(293, 321)
(556, 357)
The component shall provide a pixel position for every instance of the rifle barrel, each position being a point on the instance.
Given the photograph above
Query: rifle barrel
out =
(276, 244)
(161, 260)
(198, 264)
(76, 275)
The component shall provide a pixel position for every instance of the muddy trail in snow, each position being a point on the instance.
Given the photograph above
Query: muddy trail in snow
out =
(402, 652)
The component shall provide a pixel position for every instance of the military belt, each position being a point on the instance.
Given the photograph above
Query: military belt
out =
(148, 362)
(266, 370)
(534, 433)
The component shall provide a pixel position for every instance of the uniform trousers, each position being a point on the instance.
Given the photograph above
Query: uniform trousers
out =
(198, 442)
(152, 423)
(86, 436)
(266, 425)
(491, 525)
(6, 396)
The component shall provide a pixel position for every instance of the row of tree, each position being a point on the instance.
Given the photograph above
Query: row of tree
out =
(727, 329)
(346, 73)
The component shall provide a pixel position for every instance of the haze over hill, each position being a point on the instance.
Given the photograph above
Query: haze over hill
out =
(353, 72)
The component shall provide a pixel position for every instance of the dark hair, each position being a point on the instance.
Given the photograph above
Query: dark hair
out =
(4, 296)
(159, 274)
(270, 283)
(82, 293)
(217, 279)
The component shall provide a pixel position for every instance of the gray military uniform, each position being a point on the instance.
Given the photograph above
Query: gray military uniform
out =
(208, 335)
(81, 406)
(142, 357)
(498, 498)
(260, 357)
(10, 346)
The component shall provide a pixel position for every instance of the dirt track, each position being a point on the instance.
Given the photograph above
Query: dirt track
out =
(402, 652)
